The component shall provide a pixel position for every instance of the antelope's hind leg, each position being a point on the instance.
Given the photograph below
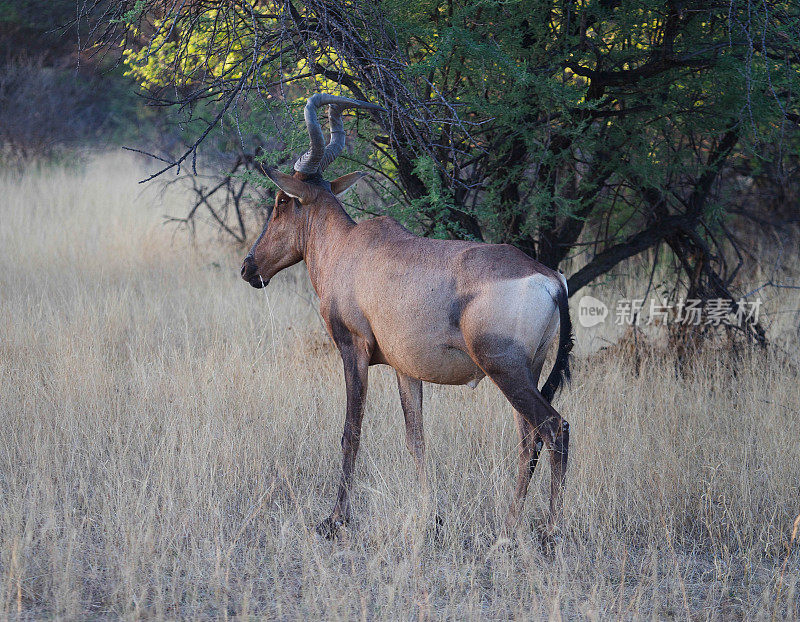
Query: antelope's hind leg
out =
(530, 446)
(529, 449)
(547, 425)
(508, 366)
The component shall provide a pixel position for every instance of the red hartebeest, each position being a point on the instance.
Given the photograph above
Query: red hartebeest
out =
(443, 311)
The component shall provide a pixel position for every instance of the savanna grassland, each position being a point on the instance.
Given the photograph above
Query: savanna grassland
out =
(169, 437)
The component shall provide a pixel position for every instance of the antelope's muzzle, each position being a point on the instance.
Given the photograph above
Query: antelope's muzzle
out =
(250, 273)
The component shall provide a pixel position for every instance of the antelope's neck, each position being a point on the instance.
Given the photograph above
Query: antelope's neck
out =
(324, 230)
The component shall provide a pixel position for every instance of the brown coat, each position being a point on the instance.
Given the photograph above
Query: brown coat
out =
(443, 311)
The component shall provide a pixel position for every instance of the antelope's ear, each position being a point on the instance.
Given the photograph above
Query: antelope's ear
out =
(345, 182)
(295, 188)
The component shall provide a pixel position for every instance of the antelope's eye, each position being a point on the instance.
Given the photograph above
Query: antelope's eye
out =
(282, 200)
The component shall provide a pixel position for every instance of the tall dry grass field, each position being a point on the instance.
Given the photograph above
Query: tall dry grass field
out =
(169, 437)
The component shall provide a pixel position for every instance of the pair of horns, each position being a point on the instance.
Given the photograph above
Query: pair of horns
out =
(319, 156)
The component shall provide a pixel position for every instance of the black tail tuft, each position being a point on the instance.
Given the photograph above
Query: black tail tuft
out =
(560, 373)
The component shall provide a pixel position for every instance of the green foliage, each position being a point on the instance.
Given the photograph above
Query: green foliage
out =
(517, 63)
(437, 202)
(534, 122)
(134, 14)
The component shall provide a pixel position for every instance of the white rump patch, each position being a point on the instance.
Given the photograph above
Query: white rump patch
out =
(564, 281)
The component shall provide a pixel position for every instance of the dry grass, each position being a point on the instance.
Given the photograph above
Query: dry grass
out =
(169, 437)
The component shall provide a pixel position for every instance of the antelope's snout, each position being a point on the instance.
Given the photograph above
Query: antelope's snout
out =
(250, 273)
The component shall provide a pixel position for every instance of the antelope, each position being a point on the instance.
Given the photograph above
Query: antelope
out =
(441, 311)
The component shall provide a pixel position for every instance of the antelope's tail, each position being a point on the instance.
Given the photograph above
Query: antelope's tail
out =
(561, 373)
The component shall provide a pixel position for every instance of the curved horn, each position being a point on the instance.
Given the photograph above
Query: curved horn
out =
(318, 157)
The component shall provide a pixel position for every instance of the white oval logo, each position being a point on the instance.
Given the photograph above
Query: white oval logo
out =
(591, 311)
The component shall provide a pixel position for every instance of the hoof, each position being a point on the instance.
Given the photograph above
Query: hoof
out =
(437, 530)
(478, 543)
(550, 541)
(330, 528)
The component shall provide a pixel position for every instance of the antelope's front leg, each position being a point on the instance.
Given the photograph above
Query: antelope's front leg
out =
(356, 364)
(411, 401)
